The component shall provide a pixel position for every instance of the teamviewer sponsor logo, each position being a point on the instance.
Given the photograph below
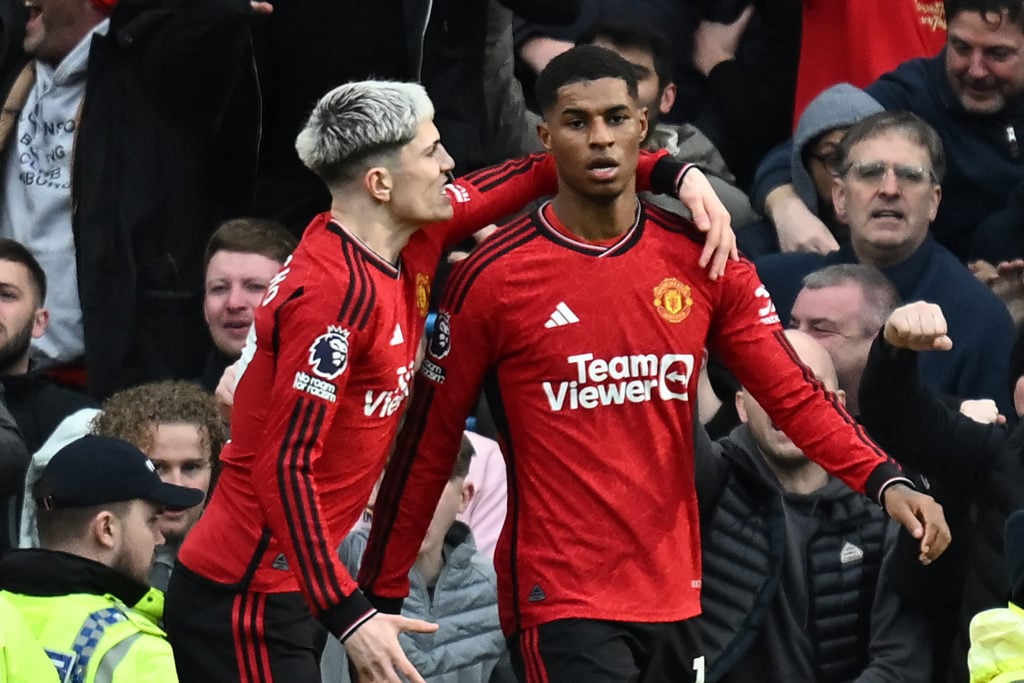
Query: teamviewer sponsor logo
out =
(619, 380)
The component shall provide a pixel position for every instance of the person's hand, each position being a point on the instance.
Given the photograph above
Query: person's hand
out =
(921, 516)
(225, 392)
(711, 217)
(714, 43)
(982, 410)
(261, 7)
(375, 652)
(1006, 281)
(798, 228)
(478, 237)
(919, 326)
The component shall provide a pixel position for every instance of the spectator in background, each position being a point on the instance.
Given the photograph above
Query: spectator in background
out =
(36, 402)
(813, 163)
(99, 502)
(242, 257)
(177, 426)
(983, 464)
(890, 166)
(843, 307)
(969, 93)
(119, 234)
(451, 584)
(777, 534)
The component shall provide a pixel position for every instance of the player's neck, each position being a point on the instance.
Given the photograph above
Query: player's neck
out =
(373, 227)
(595, 221)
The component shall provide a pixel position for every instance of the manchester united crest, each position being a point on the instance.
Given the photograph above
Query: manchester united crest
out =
(672, 300)
(422, 293)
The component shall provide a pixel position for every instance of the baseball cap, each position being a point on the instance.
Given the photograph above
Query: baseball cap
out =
(95, 470)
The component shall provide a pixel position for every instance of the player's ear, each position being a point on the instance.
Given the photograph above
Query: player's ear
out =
(544, 133)
(378, 181)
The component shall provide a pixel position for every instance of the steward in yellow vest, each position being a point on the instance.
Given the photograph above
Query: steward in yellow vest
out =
(22, 659)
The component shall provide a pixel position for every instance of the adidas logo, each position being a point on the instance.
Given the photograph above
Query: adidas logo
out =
(280, 563)
(397, 337)
(850, 553)
(537, 594)
(563, 315)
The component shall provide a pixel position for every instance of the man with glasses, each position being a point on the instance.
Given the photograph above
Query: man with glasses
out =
(889, 169)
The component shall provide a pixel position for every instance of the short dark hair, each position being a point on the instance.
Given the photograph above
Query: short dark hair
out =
(911, 125)
(252, 236)
(880, 295)
(633, 35)
(986, 8)
(579, 65)
(462, 460)
(16, 252)
(61, 527)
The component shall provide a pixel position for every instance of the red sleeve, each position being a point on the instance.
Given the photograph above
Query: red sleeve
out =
(286, 472)
(746, 334)
(490, 194)
(445, 391)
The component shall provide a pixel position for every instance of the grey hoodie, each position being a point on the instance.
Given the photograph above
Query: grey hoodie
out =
(840, 106)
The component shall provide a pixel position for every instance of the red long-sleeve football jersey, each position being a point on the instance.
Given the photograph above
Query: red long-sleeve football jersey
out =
(317, 406)
(590, 356)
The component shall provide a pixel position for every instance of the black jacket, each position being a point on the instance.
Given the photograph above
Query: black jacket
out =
(981, 470)
(165, 150)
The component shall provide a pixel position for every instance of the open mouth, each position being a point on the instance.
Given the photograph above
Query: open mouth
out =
(602, 168)
(888, 214)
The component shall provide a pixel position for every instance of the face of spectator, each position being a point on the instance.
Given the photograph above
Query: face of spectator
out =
(140, 535)
(22, 317)
(419, 174)
(775, 445)
(821, 163)
(984, 60)
(182, 458)
(888, 198)
(594, 131)
(454, 499)
(55, 26)
(658, 100)
(834, 317)
(235, 285)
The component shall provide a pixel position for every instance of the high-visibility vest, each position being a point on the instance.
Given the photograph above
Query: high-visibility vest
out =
(97, 638)
(22, 658)
(997, 646)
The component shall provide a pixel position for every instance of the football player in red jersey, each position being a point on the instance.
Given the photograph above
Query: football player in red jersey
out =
(325, 376)
(586, 322)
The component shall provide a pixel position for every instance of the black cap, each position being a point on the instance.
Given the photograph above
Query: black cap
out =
(1013, 545)
(95, 470)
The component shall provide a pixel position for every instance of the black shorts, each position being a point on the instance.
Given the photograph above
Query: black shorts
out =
(220, 634)
(573, 650)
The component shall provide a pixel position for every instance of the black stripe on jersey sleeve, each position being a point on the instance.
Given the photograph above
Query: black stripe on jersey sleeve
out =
(511, 237)
(390, 494)
(303, 426)
(487, 179)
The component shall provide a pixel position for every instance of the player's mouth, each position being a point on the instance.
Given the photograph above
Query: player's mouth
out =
(603, 168)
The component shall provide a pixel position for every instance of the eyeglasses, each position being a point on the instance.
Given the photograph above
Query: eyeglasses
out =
(829, 156)
(874, 172)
